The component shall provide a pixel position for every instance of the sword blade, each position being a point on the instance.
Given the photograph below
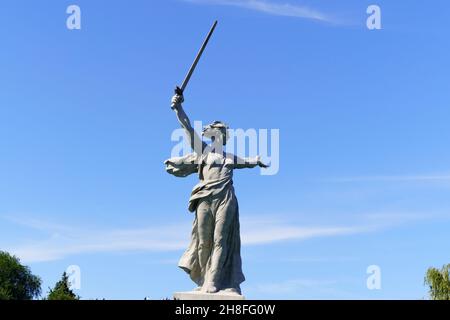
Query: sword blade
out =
(197, 58)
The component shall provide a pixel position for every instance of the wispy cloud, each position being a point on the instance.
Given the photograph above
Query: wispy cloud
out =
(394, 178)
(271, 7)
(73, 241)
(321, 260)
(61, 241)
(270, 234)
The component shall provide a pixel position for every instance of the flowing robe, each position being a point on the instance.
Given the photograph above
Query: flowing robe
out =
(213, 196)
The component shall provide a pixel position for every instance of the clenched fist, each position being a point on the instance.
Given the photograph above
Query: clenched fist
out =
(177, 100)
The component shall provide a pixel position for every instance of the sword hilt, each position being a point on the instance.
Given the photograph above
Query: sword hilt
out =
(178, 91)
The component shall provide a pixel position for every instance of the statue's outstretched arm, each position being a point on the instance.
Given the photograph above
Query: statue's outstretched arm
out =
(194, 139)
(243, 163)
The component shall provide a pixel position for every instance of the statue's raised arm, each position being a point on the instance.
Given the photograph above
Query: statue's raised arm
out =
(194, 139)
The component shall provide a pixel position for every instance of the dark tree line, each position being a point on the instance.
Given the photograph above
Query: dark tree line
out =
(18, 283)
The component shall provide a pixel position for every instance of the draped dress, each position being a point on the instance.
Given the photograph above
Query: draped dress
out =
(213, 195)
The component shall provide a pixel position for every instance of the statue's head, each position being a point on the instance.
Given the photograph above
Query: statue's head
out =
(216, 131)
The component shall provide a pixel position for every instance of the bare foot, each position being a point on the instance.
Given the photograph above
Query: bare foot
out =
(210, 288)
(233, 290)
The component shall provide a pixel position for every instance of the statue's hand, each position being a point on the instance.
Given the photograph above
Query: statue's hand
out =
(262, 164)
(177, 100)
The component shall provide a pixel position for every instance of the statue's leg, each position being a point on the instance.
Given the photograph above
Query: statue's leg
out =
(205, 233)
(225, 217)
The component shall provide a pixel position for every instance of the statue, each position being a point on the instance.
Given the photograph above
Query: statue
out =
(213, 259)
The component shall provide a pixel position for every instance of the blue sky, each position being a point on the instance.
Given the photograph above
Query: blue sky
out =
(85, 126)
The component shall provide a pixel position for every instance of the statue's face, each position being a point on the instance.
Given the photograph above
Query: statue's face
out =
(214, 134)
(210, 133)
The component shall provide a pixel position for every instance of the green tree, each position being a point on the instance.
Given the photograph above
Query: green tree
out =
(439, 282)
(16, 281)
(4, 294)
(62, 290)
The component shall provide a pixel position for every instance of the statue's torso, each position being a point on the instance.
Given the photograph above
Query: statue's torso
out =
(215, 166)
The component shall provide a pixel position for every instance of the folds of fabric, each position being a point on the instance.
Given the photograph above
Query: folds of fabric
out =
(224, 266)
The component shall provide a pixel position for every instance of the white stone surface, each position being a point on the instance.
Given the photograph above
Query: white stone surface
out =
(198, 295)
